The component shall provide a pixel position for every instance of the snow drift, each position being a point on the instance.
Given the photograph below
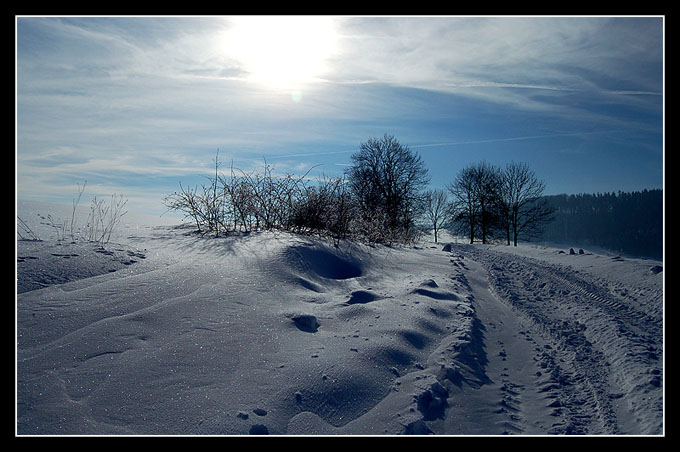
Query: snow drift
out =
(168, 332)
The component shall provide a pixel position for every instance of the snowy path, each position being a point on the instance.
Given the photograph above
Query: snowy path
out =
(565, 354)
(511, 400)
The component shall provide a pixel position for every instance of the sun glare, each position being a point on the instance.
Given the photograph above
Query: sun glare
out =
(283, 52)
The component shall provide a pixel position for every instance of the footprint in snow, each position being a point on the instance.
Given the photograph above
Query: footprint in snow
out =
(306, 322)
(361, 297)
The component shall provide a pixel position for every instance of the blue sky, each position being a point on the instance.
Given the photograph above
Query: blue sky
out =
(136, 105)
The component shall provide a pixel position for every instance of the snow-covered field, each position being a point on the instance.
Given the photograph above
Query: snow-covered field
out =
(165, 332)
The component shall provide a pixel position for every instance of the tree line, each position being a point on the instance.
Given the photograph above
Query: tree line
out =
(630, 223)
(378, 199)
(490, 203)
(381, 198)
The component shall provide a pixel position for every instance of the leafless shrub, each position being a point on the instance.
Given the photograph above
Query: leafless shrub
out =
(102, 221)
(241, 201)
(324, 209)
(25, 232)
(59, 228)
(186, 201)
(76, 201)
(377, 201)
(104, 218)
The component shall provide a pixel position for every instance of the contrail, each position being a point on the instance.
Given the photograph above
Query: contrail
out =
(499, 140)
(312, 154)
(451, 143)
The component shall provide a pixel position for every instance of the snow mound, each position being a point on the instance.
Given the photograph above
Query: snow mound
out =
(305, 322)
(321, 261)
(241, 335)
(362, 296)
(168, 332)
(43, 264)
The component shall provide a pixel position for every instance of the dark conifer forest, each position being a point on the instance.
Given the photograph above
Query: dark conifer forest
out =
(629, 223)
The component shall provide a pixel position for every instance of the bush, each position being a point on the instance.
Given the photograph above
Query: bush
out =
(261, 201)
(101, 223)
(103, 219)
(377, 201)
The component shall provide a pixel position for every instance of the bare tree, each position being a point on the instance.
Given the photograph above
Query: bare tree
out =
(387, 179)
(475, 192)
(464, 204)
(436, 209)
(521, 193)
(486, 187)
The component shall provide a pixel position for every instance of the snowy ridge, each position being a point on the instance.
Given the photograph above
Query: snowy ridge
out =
(240, 335)
(272, 333)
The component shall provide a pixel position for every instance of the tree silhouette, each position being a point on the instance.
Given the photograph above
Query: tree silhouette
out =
(386, 179)
(520, 194)
(437, 210)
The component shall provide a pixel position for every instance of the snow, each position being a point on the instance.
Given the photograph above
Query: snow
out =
(166, 332)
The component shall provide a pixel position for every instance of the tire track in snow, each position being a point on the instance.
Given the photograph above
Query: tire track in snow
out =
(602, 358)
(512, 399)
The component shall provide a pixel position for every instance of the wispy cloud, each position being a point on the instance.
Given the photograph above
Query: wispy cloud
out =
(470, 56)
(124, 99)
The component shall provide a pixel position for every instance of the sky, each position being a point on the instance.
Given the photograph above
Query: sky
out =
(137, 105)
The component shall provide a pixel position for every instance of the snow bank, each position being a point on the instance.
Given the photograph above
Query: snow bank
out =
(164, 331)
(264, 333)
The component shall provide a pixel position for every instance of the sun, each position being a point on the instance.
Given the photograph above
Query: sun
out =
(282, 52)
